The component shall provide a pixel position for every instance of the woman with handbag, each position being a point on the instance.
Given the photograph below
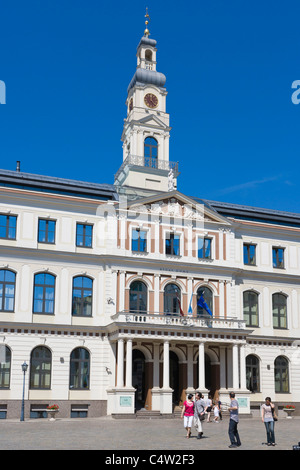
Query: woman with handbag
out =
(188, 414)
(268, 416)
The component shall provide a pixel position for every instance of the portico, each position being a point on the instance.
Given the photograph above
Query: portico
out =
(173, 362)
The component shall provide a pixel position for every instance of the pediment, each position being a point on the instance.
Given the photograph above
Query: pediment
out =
(152, 121)
(177, 205)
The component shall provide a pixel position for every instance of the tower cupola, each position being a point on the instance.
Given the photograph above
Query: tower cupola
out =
(146, 130)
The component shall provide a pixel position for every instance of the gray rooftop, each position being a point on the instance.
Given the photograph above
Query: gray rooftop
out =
(111, 192)
(54, 184)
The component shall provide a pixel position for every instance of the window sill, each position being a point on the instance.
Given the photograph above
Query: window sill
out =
(44, 314)
(79, 390)
(168, 255)
(82, 316)
(46, 243)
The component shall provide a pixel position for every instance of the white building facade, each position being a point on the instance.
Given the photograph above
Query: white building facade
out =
(100, 284)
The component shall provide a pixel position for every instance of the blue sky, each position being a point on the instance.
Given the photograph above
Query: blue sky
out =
(229, 65)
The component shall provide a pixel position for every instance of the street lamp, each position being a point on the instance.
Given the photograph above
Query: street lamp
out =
(24, 369)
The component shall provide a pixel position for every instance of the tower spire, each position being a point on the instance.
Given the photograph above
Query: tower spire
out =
(146, 32)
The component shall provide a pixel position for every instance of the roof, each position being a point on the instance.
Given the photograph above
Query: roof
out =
(86, 189)
(57, 185)
(258, 214)
(147, 77)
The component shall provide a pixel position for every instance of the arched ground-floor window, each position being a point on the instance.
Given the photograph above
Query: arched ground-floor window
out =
(281, 375)
(252, 373)
(80, 369)
(40, 368)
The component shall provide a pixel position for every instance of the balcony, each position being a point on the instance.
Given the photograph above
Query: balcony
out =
(162, 319)
(148, 162)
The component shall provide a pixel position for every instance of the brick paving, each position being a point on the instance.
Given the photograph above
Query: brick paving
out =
(136, 434)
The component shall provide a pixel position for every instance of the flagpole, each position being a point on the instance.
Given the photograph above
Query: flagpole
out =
(190, 310)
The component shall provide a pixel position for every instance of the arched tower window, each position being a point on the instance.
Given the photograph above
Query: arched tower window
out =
(150, 152)
(148, 55)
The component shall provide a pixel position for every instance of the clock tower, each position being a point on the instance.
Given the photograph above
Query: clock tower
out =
(146, 130)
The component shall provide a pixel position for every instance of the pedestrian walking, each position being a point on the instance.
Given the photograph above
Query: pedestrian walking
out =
(187, 414)
(199, 414)
(220, 409)
(233, 422)
(267, 416)
(216, 413)
(208, 407)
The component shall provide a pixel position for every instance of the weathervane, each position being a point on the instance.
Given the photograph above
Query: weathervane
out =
(146, 32)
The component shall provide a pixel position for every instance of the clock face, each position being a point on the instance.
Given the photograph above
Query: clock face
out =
(151, 100)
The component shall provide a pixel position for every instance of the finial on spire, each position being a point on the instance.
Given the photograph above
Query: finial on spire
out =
(146, 32)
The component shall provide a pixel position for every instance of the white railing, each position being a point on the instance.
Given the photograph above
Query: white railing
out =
(148, 162)
(152, 318)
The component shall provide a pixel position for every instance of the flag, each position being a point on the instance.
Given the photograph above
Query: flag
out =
(202, 304)
(179, 303)
(190, 310)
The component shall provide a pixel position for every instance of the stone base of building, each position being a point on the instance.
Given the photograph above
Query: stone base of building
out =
(242, 396)
(11, 409)
(121, 401)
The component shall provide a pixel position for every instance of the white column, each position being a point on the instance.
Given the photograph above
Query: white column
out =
(156, 391)
(156, 365)
(235, 367)
(190, 291)
(221, 298)
(120, 370)
(222, 367)
(121, 291)
(228, 300)
(201, 367)
(243, 366)
(190, 367)
(166, 368)
(129, 363)
(156, 293)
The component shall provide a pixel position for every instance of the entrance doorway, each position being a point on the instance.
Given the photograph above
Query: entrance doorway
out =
(174, 378)
(138, 378)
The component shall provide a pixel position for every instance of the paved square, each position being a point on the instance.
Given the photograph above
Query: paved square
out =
(136, 434)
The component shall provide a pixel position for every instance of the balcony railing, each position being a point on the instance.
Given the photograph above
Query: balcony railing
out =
(148, 162)
(152, 318)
